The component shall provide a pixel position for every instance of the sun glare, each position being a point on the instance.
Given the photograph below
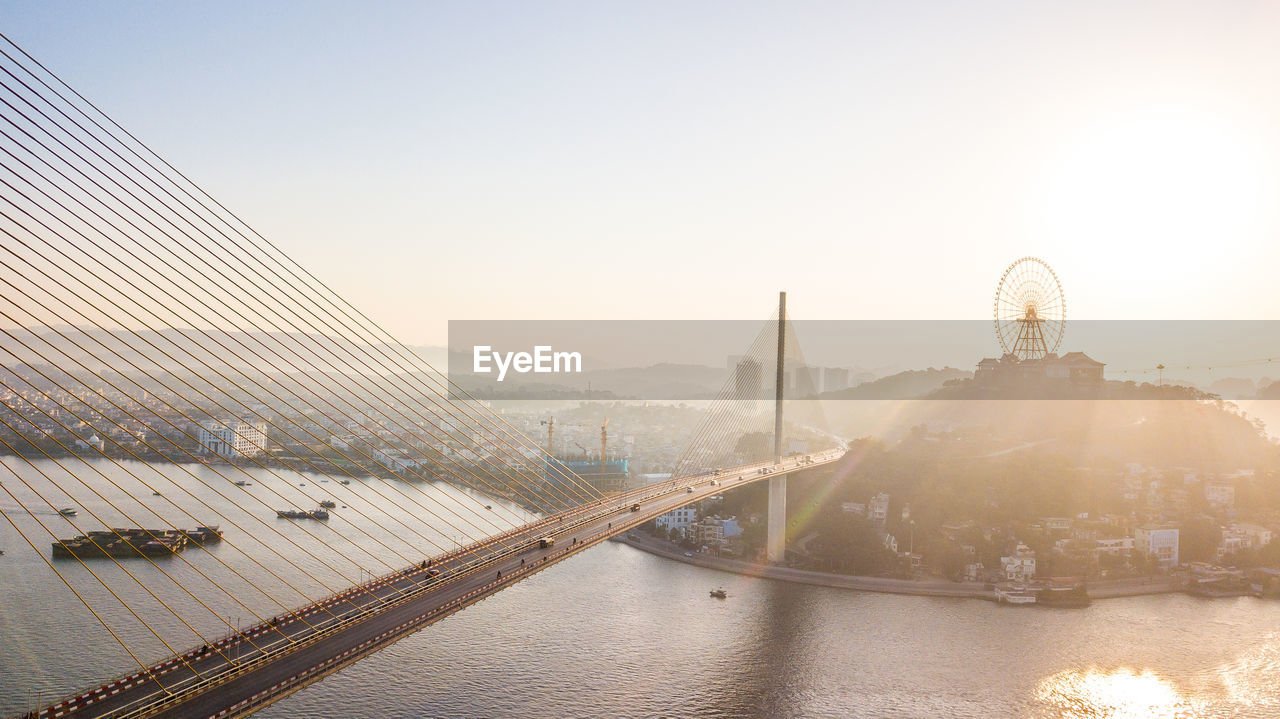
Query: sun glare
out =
(1169, 179)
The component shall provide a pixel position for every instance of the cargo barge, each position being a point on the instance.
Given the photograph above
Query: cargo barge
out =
(133, 543)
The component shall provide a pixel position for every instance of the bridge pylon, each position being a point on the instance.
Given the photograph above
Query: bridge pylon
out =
(776, 542)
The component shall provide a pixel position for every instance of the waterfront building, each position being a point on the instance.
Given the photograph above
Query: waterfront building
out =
(974, 572)
(1021, 565)
(1157, 542)
(1233, 540)
(1258, 535)
(680, 518)
(94, 442)
(1116, 546)
(239, 438)
(716, 529)
(393, 459)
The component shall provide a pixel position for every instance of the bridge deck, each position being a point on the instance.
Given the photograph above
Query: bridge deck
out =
(291, 653)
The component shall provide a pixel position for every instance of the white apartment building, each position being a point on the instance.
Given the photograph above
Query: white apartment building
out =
(1157, 542)
(233, 439)
(677, 518)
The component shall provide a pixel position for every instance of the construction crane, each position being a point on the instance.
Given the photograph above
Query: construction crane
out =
(604, 442)
(550, 424)
(551, 433)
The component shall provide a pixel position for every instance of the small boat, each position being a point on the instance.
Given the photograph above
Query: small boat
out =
(488, 506)
(299, 514)
(243, 483)
(719, 593)
(329, 504)
(345, 481)
(204, 534)
(155, 494)
(67, 511)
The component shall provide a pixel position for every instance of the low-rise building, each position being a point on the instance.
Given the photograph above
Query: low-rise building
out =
(1220, 494)
(857, 508)
(1019, 566)
(974, 572)
(878, 508)
(1157, 542)
(1259, 536)
(393, 459)
(1232, 541)
(1115, 546)
(1056, 524)
(681, 518)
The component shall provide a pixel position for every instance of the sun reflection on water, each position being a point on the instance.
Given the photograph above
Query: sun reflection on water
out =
(1114, 694)
(1253, 679)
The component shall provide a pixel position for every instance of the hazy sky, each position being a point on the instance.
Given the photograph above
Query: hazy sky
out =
(466, 160)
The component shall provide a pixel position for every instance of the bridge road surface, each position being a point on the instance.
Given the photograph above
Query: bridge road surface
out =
(293, 650)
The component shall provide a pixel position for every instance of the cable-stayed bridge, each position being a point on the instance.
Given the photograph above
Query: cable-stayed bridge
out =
(259, 664)
(171, 378)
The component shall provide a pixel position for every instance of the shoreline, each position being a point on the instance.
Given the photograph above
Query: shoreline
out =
(1106, 589)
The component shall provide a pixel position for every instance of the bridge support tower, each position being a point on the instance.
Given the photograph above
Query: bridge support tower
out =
(776, 543)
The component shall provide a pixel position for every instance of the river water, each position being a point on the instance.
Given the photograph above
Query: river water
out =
(617, 632)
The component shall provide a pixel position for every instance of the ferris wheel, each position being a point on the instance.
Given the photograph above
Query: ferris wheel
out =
(1030, 310)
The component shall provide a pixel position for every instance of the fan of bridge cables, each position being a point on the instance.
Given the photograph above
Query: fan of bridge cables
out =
(739, 422)
(166, 368)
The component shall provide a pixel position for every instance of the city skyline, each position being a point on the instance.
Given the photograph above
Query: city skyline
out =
(580, 162)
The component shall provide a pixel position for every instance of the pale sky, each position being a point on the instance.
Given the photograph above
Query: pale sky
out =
(592, 160)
